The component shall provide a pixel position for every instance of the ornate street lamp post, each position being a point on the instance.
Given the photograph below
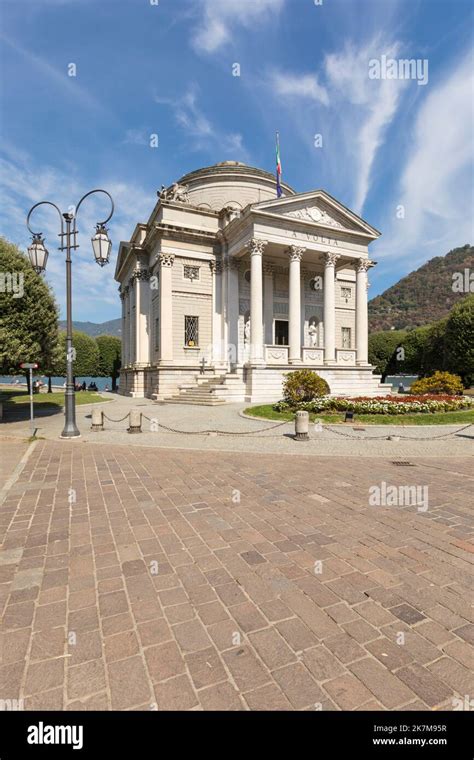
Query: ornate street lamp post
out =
(38, 254)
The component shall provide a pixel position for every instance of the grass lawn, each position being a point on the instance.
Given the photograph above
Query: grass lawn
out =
(463, 417)
(54, 400)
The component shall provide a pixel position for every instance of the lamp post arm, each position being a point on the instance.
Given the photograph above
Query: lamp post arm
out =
(91, 192)
(43, 203)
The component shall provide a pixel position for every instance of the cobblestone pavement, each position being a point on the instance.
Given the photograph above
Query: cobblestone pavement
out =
(159, 420)
(191, 580)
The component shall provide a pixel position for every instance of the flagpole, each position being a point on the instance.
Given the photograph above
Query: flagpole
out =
(278, 166)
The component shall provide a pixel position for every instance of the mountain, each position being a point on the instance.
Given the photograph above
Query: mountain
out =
(426, 295)
(112, 327)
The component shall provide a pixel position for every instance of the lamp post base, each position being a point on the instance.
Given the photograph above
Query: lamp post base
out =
(70, 432)
(70, 429)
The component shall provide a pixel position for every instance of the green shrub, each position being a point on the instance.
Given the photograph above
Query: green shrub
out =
(303, 385)
(440, 382)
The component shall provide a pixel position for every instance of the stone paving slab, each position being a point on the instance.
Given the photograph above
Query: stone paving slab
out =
(157, 579)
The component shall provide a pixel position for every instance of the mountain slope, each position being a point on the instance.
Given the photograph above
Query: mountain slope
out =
(112, 327)
(423, 296)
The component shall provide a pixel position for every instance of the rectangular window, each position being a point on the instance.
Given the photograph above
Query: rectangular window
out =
(346, 293)
(190, 272)
(191, 332)
(346, 337)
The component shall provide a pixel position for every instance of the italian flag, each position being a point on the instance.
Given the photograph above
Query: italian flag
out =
(278, 166)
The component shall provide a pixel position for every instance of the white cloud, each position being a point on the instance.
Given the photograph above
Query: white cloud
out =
(23, 184)
(136, 137)
(356, 116)
(435, 187)
(201, 133)
(220, 17)
(69, 86)
(304, 85)
(371, 105)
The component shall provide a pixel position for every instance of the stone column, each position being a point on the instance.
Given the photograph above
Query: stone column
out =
(123, 325)
(362, 324)
(330, 308)
(295, 254)
(131, 321)
(268, 302)
(142, 307)
(216, 271)
(232, 267)
(256, 248)
(166, 307)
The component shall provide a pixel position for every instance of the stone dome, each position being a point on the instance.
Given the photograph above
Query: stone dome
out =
(231, 183)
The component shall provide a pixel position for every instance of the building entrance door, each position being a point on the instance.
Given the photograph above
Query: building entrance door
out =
(281, 332)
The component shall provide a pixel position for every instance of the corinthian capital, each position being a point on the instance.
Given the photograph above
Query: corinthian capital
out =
(363, 265)
(141, 274)
(332, 259)
(216, 266)
(166, 259)
(256, 246)
(295, 252)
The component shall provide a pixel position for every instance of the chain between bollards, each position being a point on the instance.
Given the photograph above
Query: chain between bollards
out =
(301, 428)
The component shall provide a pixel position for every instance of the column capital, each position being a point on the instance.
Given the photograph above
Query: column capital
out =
(256, 246)
(268, 268)
(295, 252)
(141, 274)
(232, 263)
(166, 259)
(216, 266)
(331, 258)
(363, 265)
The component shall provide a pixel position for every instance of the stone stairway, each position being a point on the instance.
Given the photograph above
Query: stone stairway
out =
(204, 392)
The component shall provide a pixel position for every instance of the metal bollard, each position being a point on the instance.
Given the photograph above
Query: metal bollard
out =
(302, 426)
(97, 420)
(135, 424)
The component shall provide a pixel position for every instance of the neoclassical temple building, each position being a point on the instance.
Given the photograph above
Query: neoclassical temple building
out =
(226, 288)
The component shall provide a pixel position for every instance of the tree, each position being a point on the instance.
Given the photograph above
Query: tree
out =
(434, 350)
(28, 312)
(86, 359)
(413, 346)
(383, 351)
(110, 348)
(459, 339)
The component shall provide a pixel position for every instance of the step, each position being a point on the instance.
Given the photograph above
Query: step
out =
(193, 402)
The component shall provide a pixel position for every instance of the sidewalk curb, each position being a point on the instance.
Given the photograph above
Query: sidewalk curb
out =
(17, 471)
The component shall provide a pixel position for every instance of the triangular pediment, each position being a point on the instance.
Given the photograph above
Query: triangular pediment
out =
(316, 208)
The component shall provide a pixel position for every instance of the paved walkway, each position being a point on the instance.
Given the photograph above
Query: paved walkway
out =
(144, 578)
(251, 435)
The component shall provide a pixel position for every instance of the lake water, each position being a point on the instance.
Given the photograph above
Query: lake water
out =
(395, 380)
(101, 382)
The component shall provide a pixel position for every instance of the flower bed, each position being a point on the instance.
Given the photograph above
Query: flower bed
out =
(426, 404)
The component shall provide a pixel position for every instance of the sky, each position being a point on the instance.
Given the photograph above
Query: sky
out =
(84, 87)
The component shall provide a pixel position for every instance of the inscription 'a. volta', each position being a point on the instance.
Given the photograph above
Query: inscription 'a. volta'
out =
(314, 238)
